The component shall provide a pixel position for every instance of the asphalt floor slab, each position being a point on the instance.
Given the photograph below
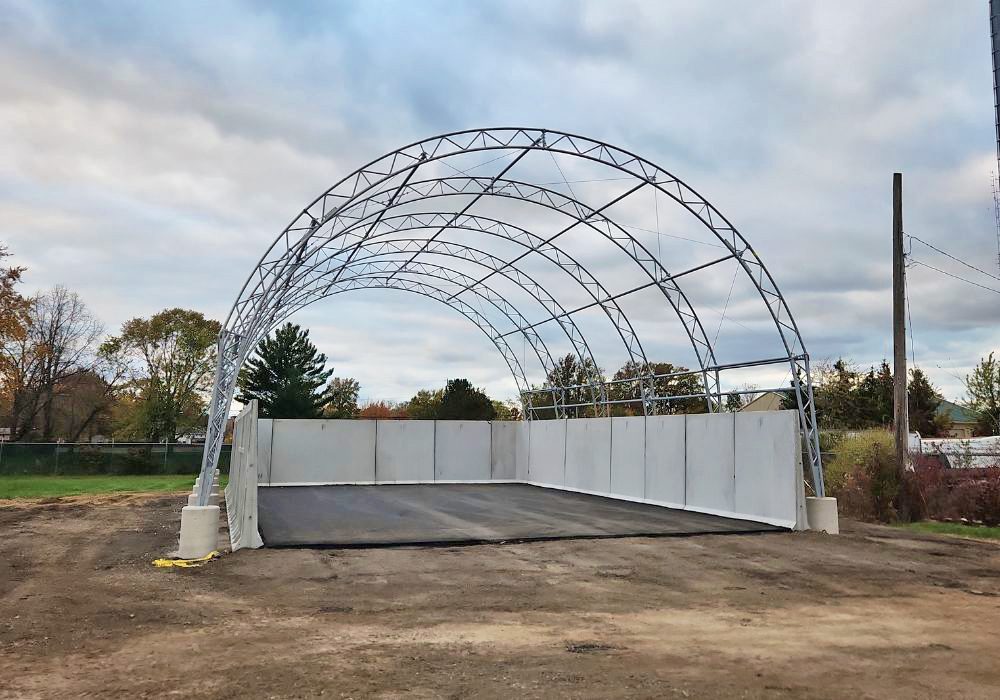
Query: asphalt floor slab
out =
(399, 514)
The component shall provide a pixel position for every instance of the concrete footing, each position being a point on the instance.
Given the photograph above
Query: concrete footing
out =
(213, 498)
(199, 531)
(822, 514)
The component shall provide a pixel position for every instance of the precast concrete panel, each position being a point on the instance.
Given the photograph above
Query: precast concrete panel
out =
(523, 454)
(547, 452)
(263, 450)
(628, 451)
(404, 450)
(462, 450)
(711, 462)
(767, 445)
(322, 451)
(505, 439)
(665, 479)
(588, 454)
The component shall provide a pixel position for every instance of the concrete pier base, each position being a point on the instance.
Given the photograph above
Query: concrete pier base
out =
(822, 514)
(199, 531)
(213, 498)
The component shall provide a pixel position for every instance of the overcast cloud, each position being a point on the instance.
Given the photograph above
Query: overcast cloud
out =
(150, 152)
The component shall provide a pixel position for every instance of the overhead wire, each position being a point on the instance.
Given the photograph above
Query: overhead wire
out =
(961, 279)
(956, 259)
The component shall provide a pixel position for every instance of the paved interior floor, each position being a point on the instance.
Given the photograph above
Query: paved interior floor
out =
(393, 514)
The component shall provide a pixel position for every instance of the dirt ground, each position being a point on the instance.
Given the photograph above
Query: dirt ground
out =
(872, 613)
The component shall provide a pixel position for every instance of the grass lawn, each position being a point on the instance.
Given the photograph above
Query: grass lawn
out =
(53, 486)
(935, 528)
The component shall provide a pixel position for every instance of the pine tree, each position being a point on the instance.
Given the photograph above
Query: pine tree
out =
(923, 399)
(286, 375)
(462, 401)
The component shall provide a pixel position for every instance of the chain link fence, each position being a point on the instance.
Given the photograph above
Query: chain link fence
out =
(84, 458)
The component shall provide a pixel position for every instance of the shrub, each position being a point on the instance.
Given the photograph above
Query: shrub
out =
(870, 489)
(849, 453)
(933, 491)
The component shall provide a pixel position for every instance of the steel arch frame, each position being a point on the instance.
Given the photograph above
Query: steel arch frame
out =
(271, 278)
(560, 203)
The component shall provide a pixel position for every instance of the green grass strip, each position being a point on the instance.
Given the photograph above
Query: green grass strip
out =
(33, 487)
(981, 532)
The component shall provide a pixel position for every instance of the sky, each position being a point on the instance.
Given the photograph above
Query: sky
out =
(151, 152)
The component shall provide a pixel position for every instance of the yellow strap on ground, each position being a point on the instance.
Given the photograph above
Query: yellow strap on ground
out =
(185, 563)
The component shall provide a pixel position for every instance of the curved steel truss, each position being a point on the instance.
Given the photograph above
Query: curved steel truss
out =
(416, 220)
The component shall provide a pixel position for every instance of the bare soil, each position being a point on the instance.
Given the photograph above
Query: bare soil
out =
(873, 613)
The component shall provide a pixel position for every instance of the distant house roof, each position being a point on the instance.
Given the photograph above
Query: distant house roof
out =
(768, 401)
(956, 413)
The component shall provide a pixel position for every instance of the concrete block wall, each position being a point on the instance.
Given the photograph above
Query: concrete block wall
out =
(743, 465)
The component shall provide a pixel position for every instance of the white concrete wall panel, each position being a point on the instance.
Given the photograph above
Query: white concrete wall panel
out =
(264, 450)
(547, 451)
(711, 462)
(523, 451)
(462, 450)
(322, 451)
(404, 450)
(628, 456)
(505, 439)
(588, 454)
(766, 449)
(665, 478)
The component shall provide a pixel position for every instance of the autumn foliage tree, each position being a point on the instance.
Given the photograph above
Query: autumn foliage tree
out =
(57, 381)
(13, 307)
(342, 394)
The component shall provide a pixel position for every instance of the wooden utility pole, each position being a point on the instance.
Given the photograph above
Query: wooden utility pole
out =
(900, 418)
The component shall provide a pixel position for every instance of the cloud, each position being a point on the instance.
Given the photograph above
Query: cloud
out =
(150, 153)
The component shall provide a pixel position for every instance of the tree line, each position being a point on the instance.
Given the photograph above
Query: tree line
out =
(62, 377)
(849, 398)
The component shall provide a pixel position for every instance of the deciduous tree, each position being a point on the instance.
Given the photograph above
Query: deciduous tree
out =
(680, 384)
(171, 360)
(13, 307)
(342, 395)
(425, 404)
(569, 371)
(983, 389)
(59, 342)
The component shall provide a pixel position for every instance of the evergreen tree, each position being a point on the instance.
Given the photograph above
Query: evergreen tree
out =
(873, 399)
(462, 401)
(922, 402)
(286, 376)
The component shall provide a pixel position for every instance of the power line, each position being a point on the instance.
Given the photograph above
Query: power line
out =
(949, 274)
(949, 255)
